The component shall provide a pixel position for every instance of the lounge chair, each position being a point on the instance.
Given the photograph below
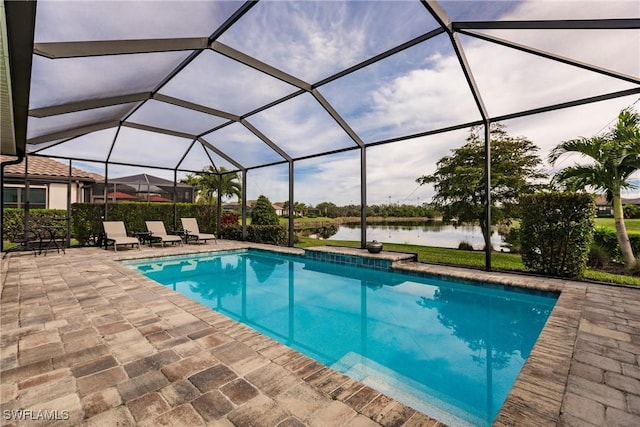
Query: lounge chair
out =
(191, 229)
(158, 232)
(116, 232)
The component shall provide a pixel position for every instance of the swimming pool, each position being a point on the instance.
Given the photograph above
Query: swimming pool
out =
(449, 349)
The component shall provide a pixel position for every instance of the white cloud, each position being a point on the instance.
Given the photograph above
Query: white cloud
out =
(61, 81)
(240, 144)
(218, 82)
(417, 90)
(131, 19)
(301, 127)
(314, 39)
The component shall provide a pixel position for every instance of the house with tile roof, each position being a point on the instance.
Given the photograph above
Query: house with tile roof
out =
(142, 187)
(237, 207)
(48, 182)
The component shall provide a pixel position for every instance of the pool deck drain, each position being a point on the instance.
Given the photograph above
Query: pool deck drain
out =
(89, 341)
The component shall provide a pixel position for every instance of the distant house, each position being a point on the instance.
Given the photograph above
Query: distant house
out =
(603, 207)
(141, 187)
(237, 207)
(48, 183)
(279, 207)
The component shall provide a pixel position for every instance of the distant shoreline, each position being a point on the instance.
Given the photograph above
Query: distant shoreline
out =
(372, 219)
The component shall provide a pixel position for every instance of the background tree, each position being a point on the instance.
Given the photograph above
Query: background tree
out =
(326, 208)
(459, 178)
(299, 208)
(206, 184)
(263, 212)
(614, 157)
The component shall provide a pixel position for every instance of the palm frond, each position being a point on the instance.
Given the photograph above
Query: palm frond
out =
(586, 147)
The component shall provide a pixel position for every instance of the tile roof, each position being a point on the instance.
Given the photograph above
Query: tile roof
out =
(44, 166)
(119, 195)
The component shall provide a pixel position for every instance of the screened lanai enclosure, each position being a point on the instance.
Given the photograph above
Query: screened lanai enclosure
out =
(347, 102)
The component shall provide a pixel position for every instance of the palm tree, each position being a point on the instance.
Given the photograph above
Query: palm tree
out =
(230, 185)
(614, 157)
(206, 184)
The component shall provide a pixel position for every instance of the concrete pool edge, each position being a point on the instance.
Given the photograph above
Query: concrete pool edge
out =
(531, 401)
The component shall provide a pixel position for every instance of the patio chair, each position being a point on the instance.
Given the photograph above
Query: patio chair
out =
(116, 232)
(191, 229)
(158, 232)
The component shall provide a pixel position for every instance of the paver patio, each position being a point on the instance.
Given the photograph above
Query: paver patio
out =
(101, 344)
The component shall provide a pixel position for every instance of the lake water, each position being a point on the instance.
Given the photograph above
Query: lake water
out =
(431, 233)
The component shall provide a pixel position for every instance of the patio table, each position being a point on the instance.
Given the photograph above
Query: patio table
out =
(52, 236)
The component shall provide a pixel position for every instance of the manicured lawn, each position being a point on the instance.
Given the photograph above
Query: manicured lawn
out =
(633, 225)
(475, 259)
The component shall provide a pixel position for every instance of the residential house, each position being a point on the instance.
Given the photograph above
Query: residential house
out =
(603, 207)
(237, 207)
(48, 181)
(142, 187)
(279, 207)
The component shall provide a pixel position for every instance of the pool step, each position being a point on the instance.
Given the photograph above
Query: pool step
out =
(405, 390)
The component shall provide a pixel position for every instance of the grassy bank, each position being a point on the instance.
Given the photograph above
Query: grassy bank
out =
(475, 259)
(633, 225)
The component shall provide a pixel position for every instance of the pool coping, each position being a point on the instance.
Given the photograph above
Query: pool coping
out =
(547, 391)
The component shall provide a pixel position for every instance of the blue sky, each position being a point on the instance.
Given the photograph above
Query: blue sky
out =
(416, 90)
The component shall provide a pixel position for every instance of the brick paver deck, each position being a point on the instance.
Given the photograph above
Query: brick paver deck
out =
(92, 342)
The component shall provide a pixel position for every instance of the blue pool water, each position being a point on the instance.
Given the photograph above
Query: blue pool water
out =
(450, 350)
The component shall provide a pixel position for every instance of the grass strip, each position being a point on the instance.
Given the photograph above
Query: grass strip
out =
(475, 259)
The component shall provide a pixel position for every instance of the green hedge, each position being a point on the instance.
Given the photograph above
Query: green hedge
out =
(13, 221)
(607, 240)
(87, 217)
(270, 234)
(556, 232)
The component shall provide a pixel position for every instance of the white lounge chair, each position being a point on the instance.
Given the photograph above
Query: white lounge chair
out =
(158, 232)
(191, 229)
(116, 232)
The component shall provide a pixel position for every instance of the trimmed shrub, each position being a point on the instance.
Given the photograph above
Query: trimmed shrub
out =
(270, 234)
(608, 241)
(263, 213)
(465, 246)
(631, 211)
(86, 218)
(231, 232)
(512, 241)
(556, 232)
(13, 221)
(598, 257)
